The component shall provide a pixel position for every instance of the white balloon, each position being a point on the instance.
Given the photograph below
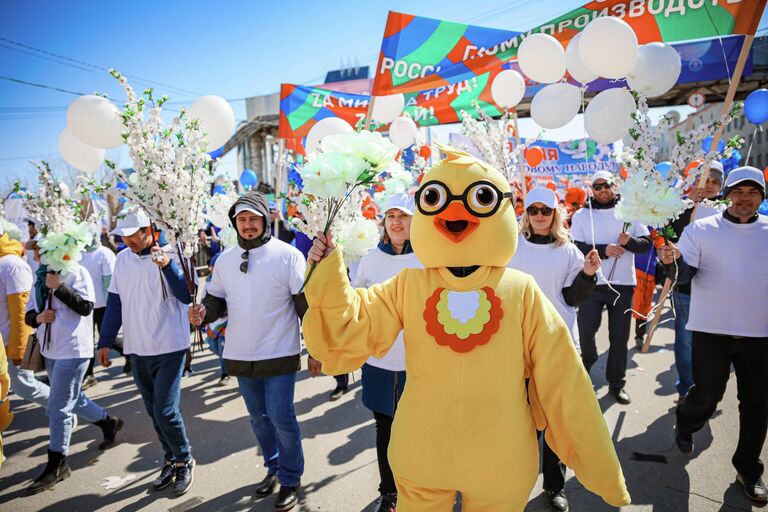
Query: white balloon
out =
(575, 65)
(508, 88)
(216, 117)
(403, 132)
(608, 116)
(77, 154)
(608, 47)
(218, 209)
(95, 121)
(387, 108)
(656, 71)
(324, 127)
(542, 58)
(555, 105)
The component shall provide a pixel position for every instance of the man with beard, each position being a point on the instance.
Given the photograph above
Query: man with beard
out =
(256, 285)
(596, 226)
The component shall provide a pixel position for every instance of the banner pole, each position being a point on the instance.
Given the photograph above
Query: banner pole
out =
(521, 164)
(279, 184)
(370, 111)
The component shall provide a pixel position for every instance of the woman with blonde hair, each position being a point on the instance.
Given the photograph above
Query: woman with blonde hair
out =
(567, 277)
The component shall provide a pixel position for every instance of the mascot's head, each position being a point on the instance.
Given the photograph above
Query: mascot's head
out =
(464, 215)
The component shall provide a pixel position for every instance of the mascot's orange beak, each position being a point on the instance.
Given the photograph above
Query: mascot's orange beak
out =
(455, 222)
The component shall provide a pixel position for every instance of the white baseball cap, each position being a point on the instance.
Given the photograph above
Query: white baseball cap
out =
(541, 195)
(746, 173)
(131, 222)
(400, 201)
(245, 207)
(603, 175)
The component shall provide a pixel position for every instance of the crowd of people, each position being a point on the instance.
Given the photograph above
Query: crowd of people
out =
(129, 289)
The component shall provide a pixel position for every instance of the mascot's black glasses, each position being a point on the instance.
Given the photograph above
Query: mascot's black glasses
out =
(481, 198)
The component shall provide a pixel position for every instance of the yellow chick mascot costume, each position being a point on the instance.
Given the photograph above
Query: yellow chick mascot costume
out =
(464, 422)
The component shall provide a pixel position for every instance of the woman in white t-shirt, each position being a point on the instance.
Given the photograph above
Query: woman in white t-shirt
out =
(60, 307)
(566, 276)
(384, 378)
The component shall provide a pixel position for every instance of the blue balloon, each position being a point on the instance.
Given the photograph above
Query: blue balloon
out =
(122, 185)
(663, 168)
(706, 145)
(756, 106)
(219, 189)
(763, 210)
(248, 179)
(216, 153)
(731, 163)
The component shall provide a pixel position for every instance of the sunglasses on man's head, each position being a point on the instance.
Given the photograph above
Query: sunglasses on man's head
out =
(601, 186)
(535, 210)
(244, 264)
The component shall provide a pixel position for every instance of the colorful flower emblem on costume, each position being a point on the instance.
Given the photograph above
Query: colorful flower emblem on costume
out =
(463, 320)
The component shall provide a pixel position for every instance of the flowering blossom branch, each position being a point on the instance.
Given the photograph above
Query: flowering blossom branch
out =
(172, 177)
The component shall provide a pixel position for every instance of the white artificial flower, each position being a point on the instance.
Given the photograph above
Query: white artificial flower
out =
(228, 237)
(358, 238)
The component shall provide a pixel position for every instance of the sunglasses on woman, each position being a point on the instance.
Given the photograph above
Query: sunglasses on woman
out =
(600, 186)
(535, 210)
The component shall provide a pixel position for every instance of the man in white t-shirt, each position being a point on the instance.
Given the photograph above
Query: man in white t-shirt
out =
(725, 258)
(148, 297)
(596, 226)
(257, 285)
(99, 262)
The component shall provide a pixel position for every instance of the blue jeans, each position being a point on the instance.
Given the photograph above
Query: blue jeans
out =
(26, 386)
(159, 381)
(67, 399)
(269, 401)
(683, 338)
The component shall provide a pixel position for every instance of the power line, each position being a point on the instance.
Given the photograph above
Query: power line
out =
(42, 86)
(27, 157)
(82, 65)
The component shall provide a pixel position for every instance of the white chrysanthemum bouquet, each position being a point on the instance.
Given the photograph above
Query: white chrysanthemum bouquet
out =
(62, 249)
(346, 162)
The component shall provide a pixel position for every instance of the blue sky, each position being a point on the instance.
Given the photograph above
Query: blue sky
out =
(231, 48)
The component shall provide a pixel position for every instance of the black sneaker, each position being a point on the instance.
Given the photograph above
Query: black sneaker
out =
(287, 498)
(388, 503)
(684, 442)
(639, 342)
(89, 381)
(127, 367)
(184, 477)
(166, 476)
(266, 486)
(557, 500)
(338, 392)
(620, 395)
(755, 490)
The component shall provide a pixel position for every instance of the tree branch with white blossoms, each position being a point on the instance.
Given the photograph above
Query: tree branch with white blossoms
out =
(491, 138)
(58, 217)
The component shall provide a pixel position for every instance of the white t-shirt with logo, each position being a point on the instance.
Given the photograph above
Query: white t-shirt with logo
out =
(607, 229)
(99, 263)
(71, 334)
(15, 277)
(554, 268)
(729, 293)
(376, 267)
(261, 319)
(151, 325)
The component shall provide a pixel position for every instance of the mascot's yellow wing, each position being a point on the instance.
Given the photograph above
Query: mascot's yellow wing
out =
(563, 401)
(344, 326)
